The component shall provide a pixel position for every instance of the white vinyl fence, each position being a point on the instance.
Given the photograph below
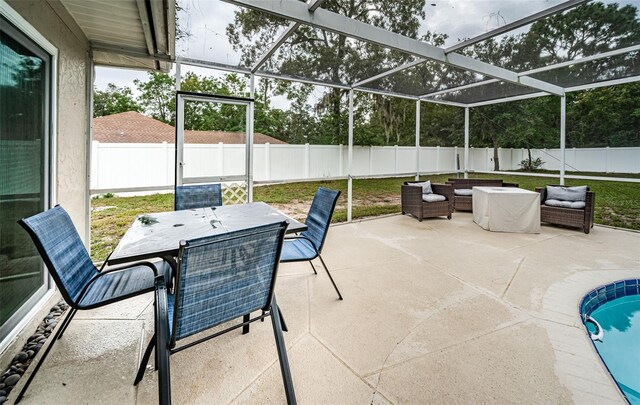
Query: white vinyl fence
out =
(121, 166)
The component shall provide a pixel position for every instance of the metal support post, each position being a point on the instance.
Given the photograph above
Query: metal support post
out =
(563, 116)
(466, 142)
(417, 140)
(252, 87)
(350, 158)
(178, 76)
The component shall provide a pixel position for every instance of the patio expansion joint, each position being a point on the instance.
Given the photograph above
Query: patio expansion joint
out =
(540, 317)
(270, 365)
(377, 263)
(449, 347)
(144, 309)
(512, 277)
(348, 367)
(409, 333)
(535, 242)
(483, 291)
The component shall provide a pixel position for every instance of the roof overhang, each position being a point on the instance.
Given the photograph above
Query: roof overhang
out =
(134, 34)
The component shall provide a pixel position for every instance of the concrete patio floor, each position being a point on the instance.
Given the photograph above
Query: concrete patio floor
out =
(434, 312)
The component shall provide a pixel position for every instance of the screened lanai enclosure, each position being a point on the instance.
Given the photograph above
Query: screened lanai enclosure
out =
(464, 54)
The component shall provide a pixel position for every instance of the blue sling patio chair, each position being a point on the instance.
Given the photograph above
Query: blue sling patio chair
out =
(81, 284)
(308, 245)
(198, 196)
(220, 278)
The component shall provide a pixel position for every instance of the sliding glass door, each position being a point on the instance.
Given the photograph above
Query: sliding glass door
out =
(24, 169)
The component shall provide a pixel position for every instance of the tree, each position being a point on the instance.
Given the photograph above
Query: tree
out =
(114, 100)
(157, 96)
(323, 55)
(608, 116)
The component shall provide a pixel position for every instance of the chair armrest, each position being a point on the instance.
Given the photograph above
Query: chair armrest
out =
(162, 341)
(589, 207)
(409, 190)
(127, 266)
(543, 193)
(102, 273)
(443, 189)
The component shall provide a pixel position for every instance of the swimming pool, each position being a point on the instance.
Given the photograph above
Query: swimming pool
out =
(611, 314)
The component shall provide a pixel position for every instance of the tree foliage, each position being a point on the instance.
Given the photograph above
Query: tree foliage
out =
(114, 100)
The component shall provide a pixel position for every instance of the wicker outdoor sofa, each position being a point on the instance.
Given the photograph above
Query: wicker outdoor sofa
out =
(573, 217)
(465, 202)
(412, 202)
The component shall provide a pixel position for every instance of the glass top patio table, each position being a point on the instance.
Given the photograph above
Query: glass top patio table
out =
(159, 234)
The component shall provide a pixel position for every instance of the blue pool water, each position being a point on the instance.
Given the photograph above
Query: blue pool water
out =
(617, 312)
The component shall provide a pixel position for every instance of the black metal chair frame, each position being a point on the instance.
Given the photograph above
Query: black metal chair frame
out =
(317, 251)
(168, 347)
(74, 305)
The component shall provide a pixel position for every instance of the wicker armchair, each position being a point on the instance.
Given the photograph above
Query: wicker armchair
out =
(464, 202)
(577, 218)
(412, 203)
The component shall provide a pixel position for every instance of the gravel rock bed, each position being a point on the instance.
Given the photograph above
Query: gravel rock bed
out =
(10, 377)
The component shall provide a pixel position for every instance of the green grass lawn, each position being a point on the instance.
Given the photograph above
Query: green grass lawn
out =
(617, 203)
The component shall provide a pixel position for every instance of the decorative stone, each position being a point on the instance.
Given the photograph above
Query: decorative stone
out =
(30, 353)
(12, 380)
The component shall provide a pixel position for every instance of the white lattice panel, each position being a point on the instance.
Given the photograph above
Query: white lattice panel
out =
(234, 193)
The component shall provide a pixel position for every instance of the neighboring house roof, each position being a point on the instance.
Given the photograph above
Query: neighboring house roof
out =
(133, 127)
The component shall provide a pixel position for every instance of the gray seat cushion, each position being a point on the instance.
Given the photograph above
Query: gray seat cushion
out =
(463, 191)
(578, 193)
(565, 204)
(433, 197)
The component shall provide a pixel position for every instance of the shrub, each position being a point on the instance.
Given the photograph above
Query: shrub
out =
(531, 165)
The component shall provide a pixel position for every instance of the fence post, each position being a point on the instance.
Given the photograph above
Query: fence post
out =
(340, 167)
(455, 160)
(488, 165)
(607, 160)
(95, 159)
(167, 166)
(395, 158)
(438, 158)
(221, 160)
(267, 161)
(307, 160)
(370, 160)
(511, 166)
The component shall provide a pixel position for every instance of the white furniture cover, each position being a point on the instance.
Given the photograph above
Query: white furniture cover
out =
(506, 209)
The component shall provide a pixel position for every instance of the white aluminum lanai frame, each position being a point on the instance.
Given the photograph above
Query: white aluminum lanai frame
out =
(310, 13)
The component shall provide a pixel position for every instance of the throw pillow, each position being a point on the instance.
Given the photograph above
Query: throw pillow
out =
(426, 186)
(578, 193)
